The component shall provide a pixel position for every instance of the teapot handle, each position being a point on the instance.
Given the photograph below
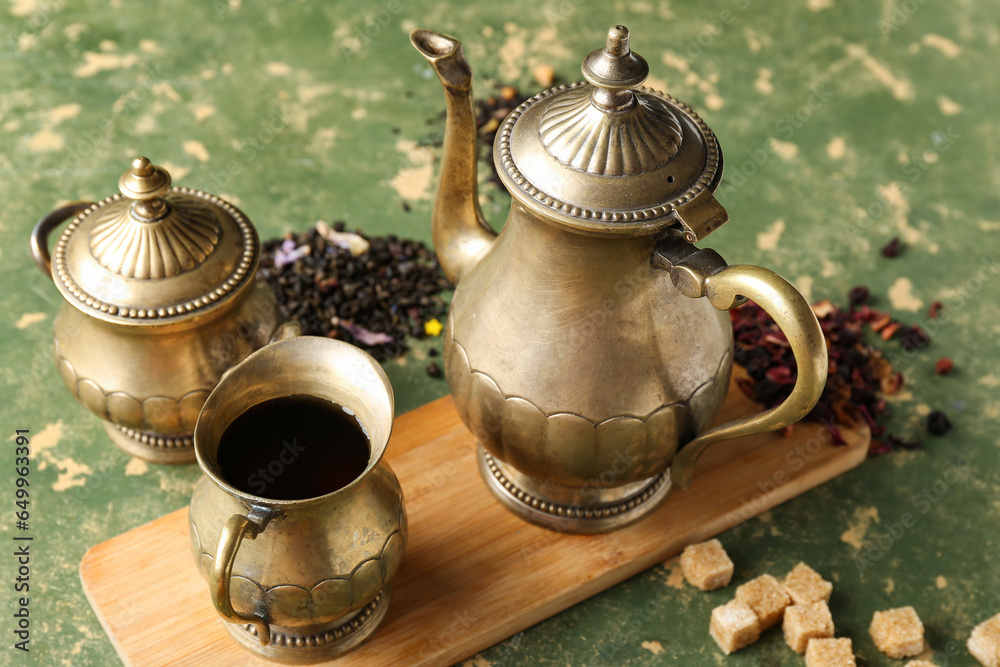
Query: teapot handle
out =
(702, 272)
(237, 527)
(45, 226)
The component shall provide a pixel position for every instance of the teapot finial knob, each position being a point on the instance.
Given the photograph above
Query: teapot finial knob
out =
(617, 41)
(614, 70)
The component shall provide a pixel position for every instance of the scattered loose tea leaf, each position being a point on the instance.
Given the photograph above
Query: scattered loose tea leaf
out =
(935, 308)
(490, 113)
(892, 248)
(372, 292)
(433, 352)
(434, 370)
(938, 423)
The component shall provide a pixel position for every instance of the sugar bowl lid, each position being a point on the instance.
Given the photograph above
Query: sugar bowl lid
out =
(155, 254)
(611, 154)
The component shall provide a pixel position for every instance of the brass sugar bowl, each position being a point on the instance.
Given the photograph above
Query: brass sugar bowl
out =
(587, 347)
(160, 300)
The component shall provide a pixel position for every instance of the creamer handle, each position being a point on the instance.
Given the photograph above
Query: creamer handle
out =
(237, 527)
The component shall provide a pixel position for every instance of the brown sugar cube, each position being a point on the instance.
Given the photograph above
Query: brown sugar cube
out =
(766, 597)
(830, 653)
(733, 626)
(706, 566)
(984, 642)
(804, 585)
(920, 663)
(806, 621)
(898, 632)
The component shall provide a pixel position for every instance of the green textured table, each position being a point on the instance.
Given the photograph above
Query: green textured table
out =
(844, 124)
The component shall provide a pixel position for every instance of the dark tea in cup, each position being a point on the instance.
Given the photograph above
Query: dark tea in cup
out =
(292, 448)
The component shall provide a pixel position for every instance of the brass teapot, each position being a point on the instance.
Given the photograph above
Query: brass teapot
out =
(160, 300)
(587, 346)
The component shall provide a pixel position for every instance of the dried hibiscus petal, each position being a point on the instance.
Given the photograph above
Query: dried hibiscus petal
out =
(943, 366)
(859, 375)
(913, 338)
(892, 248)
(857, 296)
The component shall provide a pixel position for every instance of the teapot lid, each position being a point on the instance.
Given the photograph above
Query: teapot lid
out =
(612, 155)
(155, 254)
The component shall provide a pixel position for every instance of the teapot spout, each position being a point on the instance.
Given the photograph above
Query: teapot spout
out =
(461, 234)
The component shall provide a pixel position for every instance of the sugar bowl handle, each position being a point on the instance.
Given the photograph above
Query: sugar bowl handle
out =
(237, 527)
(703, 272)
(44, 228)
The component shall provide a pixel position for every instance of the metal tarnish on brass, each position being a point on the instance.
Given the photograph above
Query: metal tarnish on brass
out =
(159, 301)
(579, 349)
(300, 581)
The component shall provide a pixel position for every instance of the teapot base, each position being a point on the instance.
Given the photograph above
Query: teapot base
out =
(585, 510)
(293, 647)
(172, 449)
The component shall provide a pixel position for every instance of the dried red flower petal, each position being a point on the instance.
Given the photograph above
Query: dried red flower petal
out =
(891, 384)
(881, 321)
(857, 296)
(934, 310)
(890, 330)
(914, 338)
(824, 308)
(859, 375)
(943, 366)
(877, 447)
(892, 248)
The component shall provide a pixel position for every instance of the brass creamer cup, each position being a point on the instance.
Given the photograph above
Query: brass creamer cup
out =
(300, 581)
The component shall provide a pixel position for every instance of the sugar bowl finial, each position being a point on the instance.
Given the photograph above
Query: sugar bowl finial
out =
(146, 183)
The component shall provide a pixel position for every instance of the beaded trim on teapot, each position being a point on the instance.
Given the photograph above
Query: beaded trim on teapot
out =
(573, 511)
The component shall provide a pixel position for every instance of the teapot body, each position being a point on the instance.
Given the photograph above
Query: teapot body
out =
(588, 342)
(575, 361)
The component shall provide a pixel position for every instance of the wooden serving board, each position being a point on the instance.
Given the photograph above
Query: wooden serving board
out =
(473, 574)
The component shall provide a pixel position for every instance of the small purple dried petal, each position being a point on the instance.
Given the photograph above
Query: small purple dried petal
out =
(290, 255)
(365, 336)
